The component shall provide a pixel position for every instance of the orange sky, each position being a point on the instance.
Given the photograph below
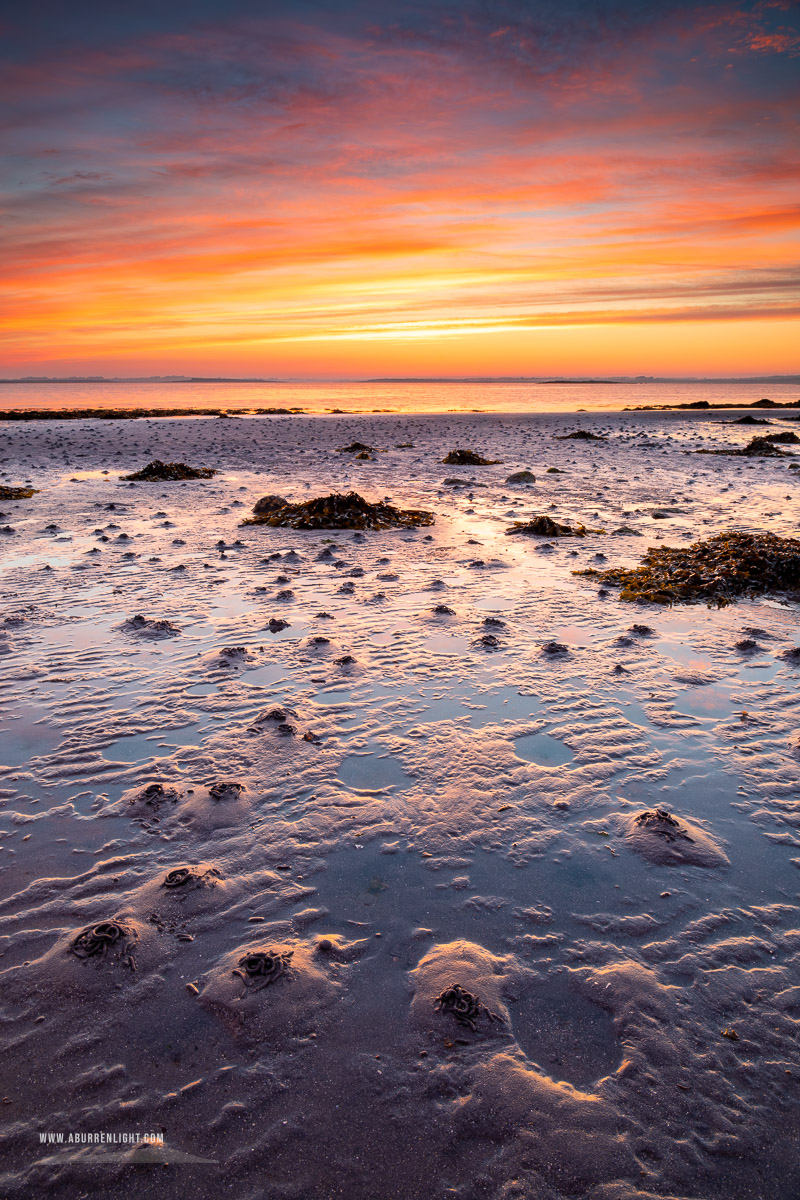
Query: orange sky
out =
(447, 198)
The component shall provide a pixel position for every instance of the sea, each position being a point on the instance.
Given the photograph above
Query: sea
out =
(421, 396)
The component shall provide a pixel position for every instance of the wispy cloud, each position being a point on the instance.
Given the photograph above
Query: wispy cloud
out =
(213, 186)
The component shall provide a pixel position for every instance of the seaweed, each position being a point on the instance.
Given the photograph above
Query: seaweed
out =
(757, 447)
(16, 493)
(787, 438)
(716, 571)
(468, 458)
(340, 511)
(463, 1005)
(161, 472)
(544, 526)
(357, 448)
(580, 435)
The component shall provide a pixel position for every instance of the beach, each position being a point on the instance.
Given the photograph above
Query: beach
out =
(429, 935)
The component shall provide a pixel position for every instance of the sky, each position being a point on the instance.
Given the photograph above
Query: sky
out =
(344, 190)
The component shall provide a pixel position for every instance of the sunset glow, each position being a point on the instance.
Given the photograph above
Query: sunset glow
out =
(505, 189)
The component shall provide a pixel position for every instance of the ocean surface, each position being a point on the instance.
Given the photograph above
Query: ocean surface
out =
(432, 397)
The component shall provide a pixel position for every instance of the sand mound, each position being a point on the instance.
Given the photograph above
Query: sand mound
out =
(143, 627)
(667, 840)
(217, 806)
(152, 798)
(174, 472)
(339, 511)
(180, 891)
(458, 988)
(716, 570)
(100, 956)
(467, 458)
(274, 990)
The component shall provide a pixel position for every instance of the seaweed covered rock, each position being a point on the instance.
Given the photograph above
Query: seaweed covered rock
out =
(268, 504)
(716, 570)
(580, 435)
(544, 526)
(467, 458)
(16, 493)
(358, 448)
(340, 511)
(175, 472)
(787, 438)
(757, 447)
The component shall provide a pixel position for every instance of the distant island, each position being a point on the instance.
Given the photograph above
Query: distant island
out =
(544, 379)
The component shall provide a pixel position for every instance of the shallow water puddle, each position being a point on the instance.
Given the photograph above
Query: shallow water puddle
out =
(372, 771)
(26, 736)
(565, 1034)
(137, 747)
(574, 635)
(493, 604)
(684, 654)
(262, 676)
(543, 749)
(504, 705)
(711, 701)
(445, 644)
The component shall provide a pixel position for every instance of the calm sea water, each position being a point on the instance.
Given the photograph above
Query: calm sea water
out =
(385, 397)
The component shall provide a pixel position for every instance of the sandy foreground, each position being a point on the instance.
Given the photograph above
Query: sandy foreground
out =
(385, 801)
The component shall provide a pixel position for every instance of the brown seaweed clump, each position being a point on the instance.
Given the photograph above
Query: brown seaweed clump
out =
(260, 968)
(340, 511)
(107, 936)
(16, 493)
(161, 472)
(757, 447)
(544, 526)
(464, 1006)
(787, 438)
(468, 458)
(358, 448)
(716, 571)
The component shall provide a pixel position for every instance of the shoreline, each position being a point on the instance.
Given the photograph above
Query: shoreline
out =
(134, 414)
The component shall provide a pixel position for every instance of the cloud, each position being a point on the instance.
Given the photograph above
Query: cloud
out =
(507, 163)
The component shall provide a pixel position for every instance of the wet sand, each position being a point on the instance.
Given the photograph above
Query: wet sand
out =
(328, 775)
